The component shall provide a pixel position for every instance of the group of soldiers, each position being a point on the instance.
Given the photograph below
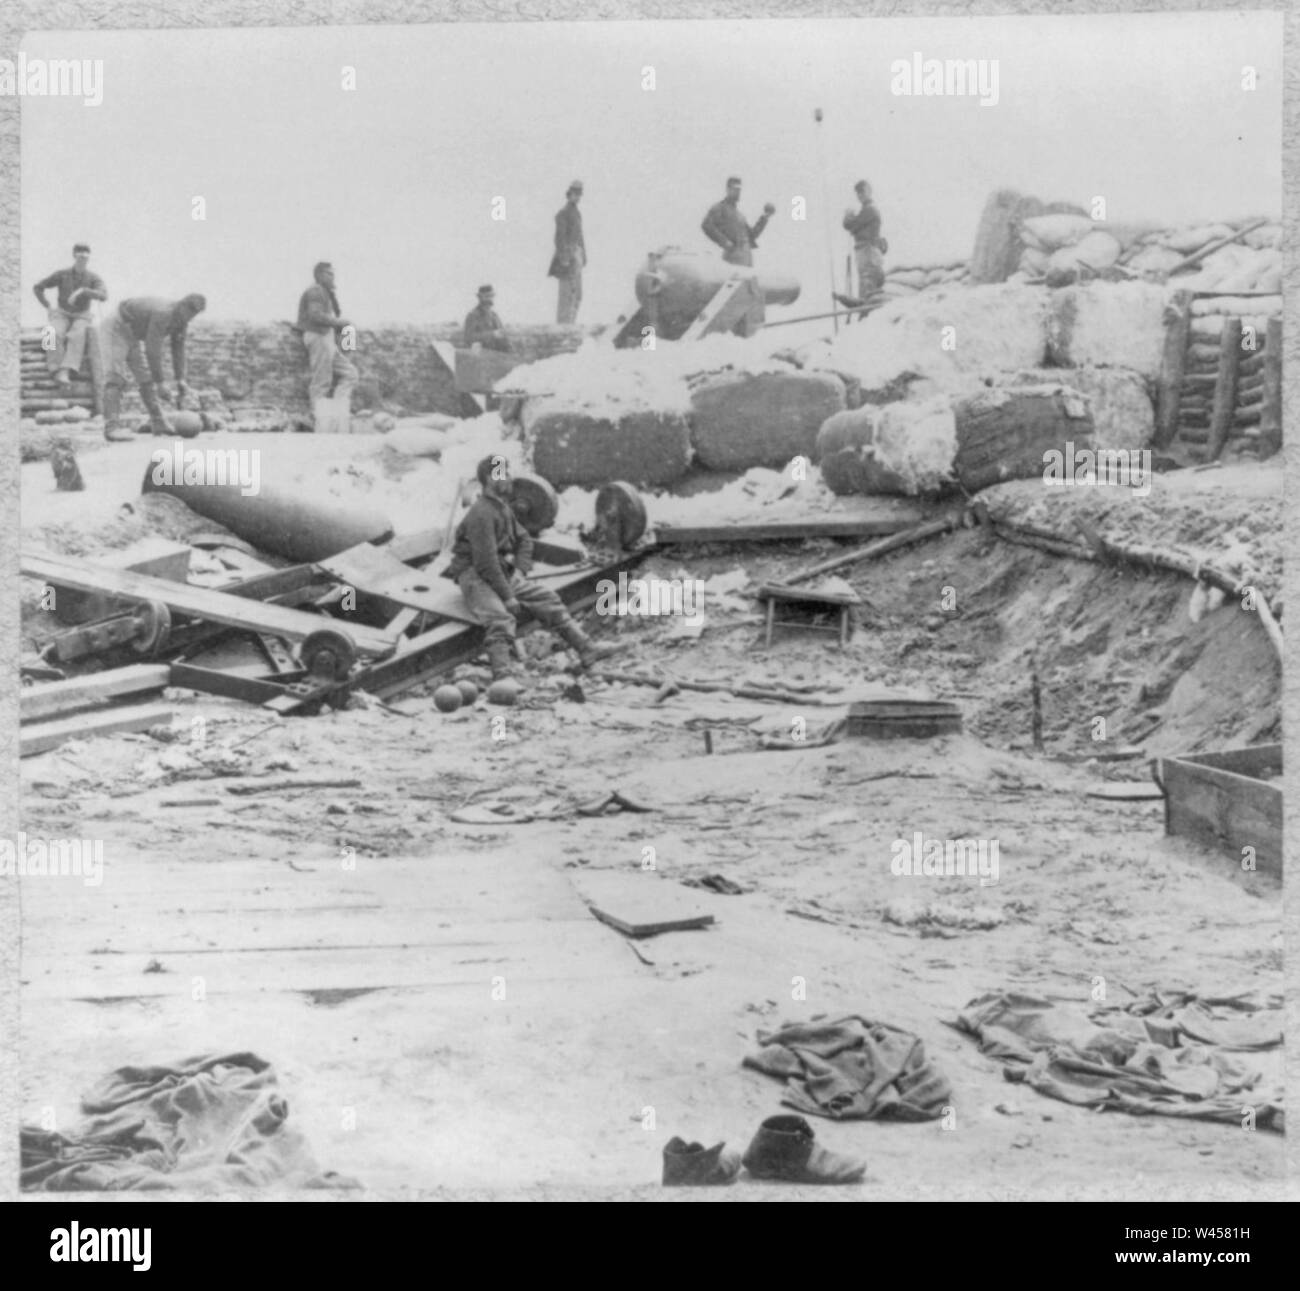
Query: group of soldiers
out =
(131, 339)
(132, 336)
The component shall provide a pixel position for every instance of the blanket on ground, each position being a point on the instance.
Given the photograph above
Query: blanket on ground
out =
(203, 1125)
(852, 1068)
(1168, 1053)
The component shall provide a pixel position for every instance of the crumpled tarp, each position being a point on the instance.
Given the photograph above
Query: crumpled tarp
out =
(205, 1124)
(1214, 1057)
(853, 1069)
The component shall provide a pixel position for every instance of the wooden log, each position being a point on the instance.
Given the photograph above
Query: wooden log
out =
(1202, 353)
(1211, 247)
(931, 529)
(52, 698)
(1270, 422)
(1247, 416)
(1195, 436)
(1250, 398)
(1225, 392)
(1178, 315)
(40, 737)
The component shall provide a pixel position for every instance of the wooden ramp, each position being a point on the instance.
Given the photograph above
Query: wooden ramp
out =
(227, 926)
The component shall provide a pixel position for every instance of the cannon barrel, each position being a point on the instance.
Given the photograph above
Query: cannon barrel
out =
(682, 283)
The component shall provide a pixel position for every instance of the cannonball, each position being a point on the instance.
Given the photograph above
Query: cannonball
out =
(468, 691)
(447, 699)
(185, 423)
(504, 692)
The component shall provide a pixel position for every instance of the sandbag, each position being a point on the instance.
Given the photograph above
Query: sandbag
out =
(1154, 261)
(741, 420)
(1105, 324)
(1033, 262)
(1004, 433)
(646, 449)
(1187, 241)
(1119, 400)
(1051, 232)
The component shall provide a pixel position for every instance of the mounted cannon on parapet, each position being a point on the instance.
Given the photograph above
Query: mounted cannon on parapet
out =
(684, 295)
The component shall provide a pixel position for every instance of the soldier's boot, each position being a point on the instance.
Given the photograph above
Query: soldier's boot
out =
(785, 1148)
(501, 659)
(589, 651)
(113, 429)
(157, 419)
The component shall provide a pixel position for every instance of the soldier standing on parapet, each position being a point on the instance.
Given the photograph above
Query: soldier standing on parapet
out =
(868, 246)
(725, 225)
(319, 318)
(570, 257)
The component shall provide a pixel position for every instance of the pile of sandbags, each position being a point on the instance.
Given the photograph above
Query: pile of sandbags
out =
(1108, 324)
(905, 280)
(1119, 401)
(1005, 433)
(743, 419)
(567, 447)
(902, 448)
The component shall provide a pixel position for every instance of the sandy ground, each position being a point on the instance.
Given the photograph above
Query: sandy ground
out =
(424, 1085)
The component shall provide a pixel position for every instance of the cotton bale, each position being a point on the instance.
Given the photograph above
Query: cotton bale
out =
(743, 419)
(1123, 414)
(1104, 324)
(568, 446)
(1004, 433)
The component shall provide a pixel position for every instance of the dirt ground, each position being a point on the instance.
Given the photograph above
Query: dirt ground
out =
(370, 988)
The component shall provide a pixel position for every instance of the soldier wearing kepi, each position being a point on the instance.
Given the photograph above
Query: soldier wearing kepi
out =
(570, 257)
(70, 316)
(132, 341)
(725, 225)
(491, 557)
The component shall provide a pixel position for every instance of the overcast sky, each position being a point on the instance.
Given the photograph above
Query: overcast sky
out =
(394, 180)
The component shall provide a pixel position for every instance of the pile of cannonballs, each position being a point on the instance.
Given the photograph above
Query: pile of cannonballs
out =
(461, 694)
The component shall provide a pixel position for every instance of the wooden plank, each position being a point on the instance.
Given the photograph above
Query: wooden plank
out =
(1127, 793)
(51, 698)
(784, 530)
(372, 570)
(641, 905)
(198, 602)
(40, 737)
(1225, 811)
(1178, 313)
(1225, 390)
(555, 949)
(1270, 420)
(415, 547)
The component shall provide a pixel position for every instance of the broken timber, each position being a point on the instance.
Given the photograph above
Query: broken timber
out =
(54, 698)
(197, 602)
(40, 737)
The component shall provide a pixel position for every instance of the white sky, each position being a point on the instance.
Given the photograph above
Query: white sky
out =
(393, 181)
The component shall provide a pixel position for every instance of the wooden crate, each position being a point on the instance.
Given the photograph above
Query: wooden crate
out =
(1228, 800)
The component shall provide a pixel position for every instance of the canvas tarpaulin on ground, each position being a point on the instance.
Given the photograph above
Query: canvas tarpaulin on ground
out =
(851, 1068)
(1205, 1056)
(203, 1125)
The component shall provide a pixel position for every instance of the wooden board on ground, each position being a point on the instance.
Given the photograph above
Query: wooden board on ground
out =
(40, 737)
(244, 926)
(373, 570)
(642, 904)
(788, 530)
(196, 602)
(51, 698)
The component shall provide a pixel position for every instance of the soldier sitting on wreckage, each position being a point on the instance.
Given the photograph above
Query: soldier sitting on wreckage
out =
(491, 557)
